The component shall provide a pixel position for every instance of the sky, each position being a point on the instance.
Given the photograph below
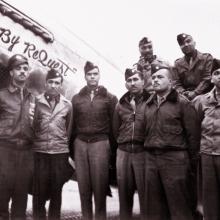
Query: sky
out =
(114, 28)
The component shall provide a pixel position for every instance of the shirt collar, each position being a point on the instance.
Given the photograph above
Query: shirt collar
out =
(164, 97)
(13, 88)
(49, 97)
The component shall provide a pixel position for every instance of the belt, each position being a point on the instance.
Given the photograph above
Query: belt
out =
(132, 148)
(157, 151)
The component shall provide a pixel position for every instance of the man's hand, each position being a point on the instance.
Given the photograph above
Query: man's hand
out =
(72, 163)
(31, 111)
(189, 94)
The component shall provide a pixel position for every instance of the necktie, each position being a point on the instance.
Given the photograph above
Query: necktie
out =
(160, 100)
(52, 103)
(133, 104)
(92, 94)
(22, 94)
(190, 61)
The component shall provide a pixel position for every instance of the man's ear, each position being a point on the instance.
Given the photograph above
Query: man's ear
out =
(126, 86)
(11, 73)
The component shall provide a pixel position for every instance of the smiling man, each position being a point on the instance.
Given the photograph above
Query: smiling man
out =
(171, 143)
(146, 59)
(16, 160)
(193, 71)
(129, 132)
(51, 123)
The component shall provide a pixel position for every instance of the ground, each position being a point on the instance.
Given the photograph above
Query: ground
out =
(71, 203)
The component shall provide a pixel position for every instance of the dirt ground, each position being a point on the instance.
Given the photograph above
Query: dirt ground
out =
(71, 203)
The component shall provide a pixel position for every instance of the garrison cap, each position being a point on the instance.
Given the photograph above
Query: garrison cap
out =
(182, 37)
(130, 72)
(158, 66)
(89, 66)
(215, 65)
(16, 60)
(52, 73)
(144, 40)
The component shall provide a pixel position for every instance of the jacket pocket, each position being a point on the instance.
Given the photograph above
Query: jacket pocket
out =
(172, 129)
(6, 125)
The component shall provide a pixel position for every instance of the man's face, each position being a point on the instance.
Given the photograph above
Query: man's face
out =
(92, 77)
(216, 78)
(146, 50)
(134, 84)
(188, 46)
(53, 86)
(161, 81)
(20, 73)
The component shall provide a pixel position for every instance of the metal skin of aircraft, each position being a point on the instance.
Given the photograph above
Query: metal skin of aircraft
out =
(59, 49)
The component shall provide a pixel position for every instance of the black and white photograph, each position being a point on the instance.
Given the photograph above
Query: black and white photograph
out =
(109, 110)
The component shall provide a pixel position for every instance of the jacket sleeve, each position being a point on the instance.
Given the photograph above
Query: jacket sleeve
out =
(197, 103)
(72, 129)
(206, 76)
(113, 104)
(112, 139)
(116, 122)
(35, 117)
(69, 121)
(191, 127)
(177, 84)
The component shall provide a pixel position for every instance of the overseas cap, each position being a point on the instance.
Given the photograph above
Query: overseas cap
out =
(89, 66)
(16, 60)
(181, 38)
(143, 41)
(130, 72)
(158, 66)
(215, 65)
(52, 73)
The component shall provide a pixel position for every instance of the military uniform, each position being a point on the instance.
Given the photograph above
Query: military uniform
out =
(192, 73)
(146, 69)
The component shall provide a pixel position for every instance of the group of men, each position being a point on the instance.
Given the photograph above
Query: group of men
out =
(160, 128)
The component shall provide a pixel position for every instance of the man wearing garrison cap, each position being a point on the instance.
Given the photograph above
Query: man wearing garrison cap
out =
(171, 143)
(129, 132)
(93, 109)
(51, 124)
(16, 162)
(146, 59)
(192, 73)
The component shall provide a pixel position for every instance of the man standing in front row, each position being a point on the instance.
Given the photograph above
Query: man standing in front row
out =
(171, 142)
(51, 123)
(93, 109)
(16, 159)
(129, 131)
(193, 71)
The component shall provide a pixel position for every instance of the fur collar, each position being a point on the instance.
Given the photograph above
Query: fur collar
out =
(101, 90)
(126, 96)
(172, 97)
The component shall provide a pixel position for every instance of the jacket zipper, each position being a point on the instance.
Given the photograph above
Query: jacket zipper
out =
(132, 137)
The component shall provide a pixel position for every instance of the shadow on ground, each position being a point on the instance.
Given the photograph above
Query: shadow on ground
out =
(71, 204)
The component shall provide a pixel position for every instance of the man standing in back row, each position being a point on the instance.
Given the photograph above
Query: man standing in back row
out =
(93, 109)
(192, 73)
(146, 59)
